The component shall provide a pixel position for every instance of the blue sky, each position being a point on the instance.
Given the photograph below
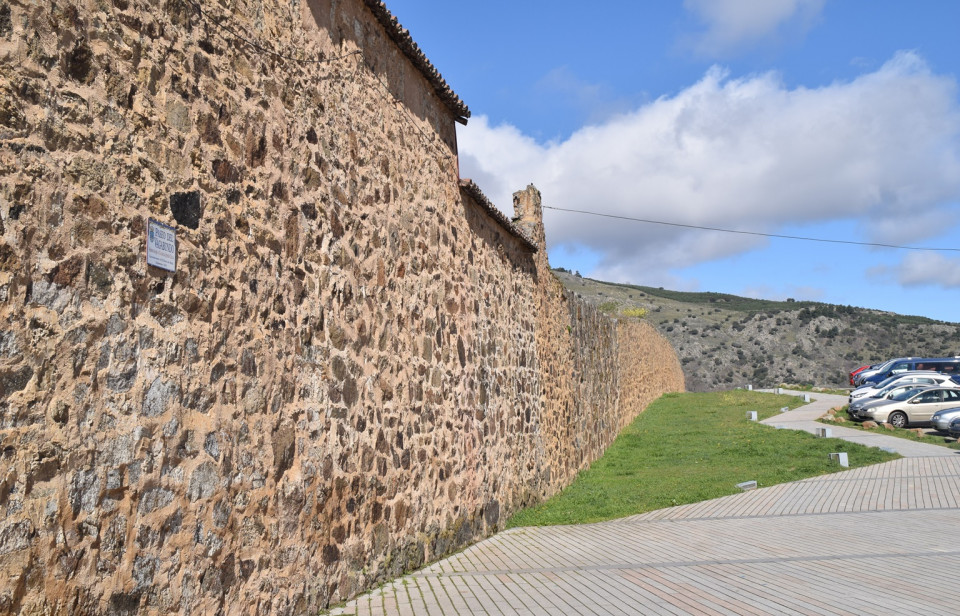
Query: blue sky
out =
(834, 119)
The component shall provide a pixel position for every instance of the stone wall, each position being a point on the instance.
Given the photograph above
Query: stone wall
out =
(358, 364)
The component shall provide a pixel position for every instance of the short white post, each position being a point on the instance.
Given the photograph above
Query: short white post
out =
(779, 390)
(749, 387)
(752, 415)
(841, 458)
(824, 433)
(806, 397)
(747, 485)
(784, 409)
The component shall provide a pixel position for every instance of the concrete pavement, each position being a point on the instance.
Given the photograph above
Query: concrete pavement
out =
(867, 541)
(805, 418)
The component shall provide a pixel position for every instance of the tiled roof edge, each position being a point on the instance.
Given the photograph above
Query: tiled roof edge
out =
(470, 187)
(401, 36)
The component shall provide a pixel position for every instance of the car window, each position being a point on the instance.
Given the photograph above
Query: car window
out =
(902, 395)
(951, 394)
(928, 396)
(890, 391)
(885, 392)
(927, 380)
(886, 381)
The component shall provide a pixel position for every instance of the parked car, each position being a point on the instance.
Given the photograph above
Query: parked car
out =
(943, 365)
(857, 407)
(954, 428)
(913, 406)
(858, 411)
(941, 419)
(870, 372)
(854, 373)
(922, 377)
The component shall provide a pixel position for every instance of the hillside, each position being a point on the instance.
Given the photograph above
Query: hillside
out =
(726, 341)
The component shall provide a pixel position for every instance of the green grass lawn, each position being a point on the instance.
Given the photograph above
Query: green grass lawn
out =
(691, 447)
(911, 434)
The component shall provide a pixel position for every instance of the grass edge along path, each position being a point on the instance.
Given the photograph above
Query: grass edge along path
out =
(690, 447)
(916, 434)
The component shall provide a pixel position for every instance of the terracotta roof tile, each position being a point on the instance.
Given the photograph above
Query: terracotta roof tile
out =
(401, 36)
(470, 187)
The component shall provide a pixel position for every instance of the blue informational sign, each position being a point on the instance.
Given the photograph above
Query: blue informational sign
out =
(161, 245)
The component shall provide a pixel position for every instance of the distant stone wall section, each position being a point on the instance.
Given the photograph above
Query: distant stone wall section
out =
(356, 367)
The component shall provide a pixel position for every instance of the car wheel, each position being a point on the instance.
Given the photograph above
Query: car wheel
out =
(898, 419)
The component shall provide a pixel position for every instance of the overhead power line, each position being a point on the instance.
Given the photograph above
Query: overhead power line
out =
(757, 233)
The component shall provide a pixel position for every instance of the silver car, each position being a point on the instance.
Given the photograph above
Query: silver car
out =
(941, 419)
(954, 429)
(913, 406)
(920, 377)
(857, 407)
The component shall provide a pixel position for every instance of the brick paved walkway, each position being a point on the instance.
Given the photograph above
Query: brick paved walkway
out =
(874, 540)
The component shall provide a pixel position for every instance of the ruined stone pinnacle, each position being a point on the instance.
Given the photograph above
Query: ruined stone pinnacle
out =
(528, 215)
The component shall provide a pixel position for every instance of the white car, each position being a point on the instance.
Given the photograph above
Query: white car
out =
(919, 377)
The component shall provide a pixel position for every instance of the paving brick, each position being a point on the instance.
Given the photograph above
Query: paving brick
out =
(858, 542)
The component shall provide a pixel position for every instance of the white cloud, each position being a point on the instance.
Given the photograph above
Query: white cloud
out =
(805, 293)
(924, 269)
(760, 291)
(593, 101)
(562, 81)
(733, 24)
(799, 293)
(745, 154)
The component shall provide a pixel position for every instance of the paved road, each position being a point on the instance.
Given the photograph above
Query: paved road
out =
(872, 540)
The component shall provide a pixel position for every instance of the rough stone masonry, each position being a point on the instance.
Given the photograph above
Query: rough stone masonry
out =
(357, 363)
